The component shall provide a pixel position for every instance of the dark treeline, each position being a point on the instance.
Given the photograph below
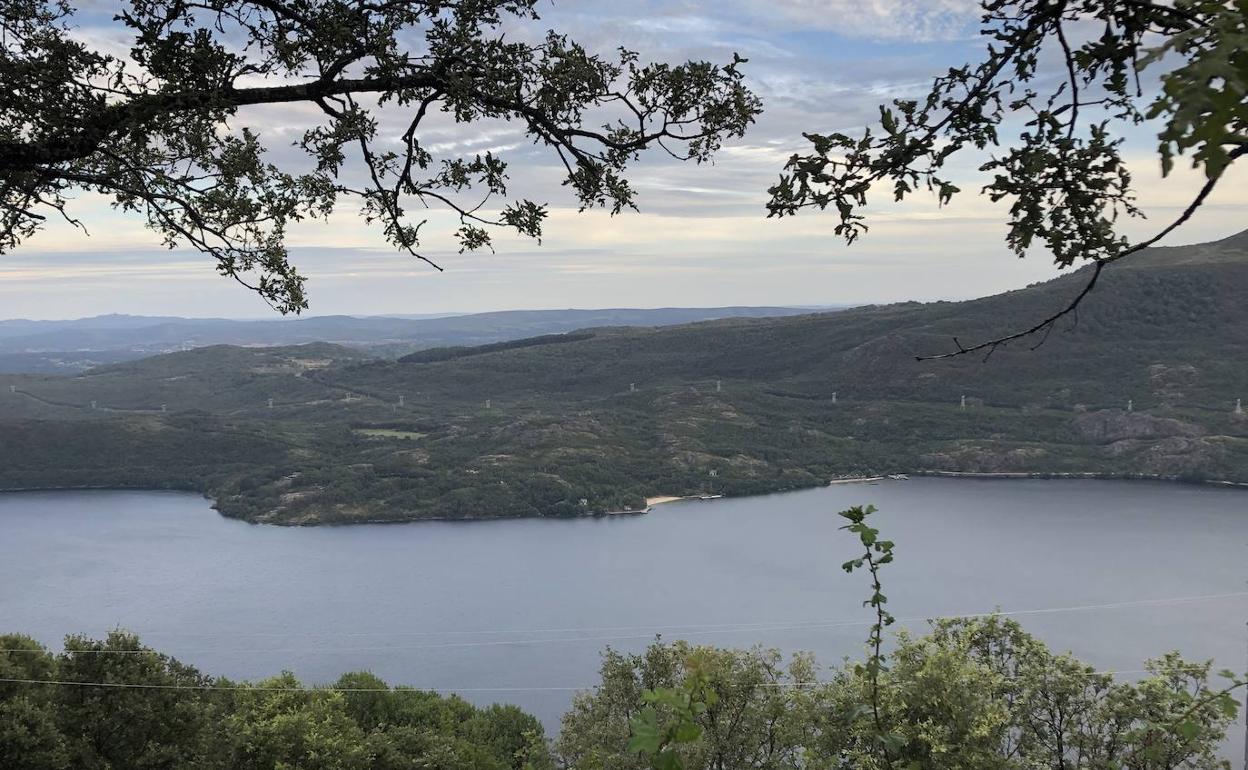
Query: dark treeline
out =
(449, 353)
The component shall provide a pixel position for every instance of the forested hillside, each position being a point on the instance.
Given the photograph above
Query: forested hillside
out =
(1143, 382)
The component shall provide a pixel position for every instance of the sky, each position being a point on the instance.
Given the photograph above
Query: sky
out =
(701, 237)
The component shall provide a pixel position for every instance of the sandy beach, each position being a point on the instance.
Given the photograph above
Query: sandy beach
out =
(663, 499)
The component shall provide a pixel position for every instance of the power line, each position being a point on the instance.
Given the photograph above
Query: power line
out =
(494, 632)
(710, 627)
(250, 688)
(419, 690)
(674, 630)
(706, 630)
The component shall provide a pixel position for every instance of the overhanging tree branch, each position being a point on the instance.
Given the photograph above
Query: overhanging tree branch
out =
(1063, 176)
(159, 127)
(1046, 325)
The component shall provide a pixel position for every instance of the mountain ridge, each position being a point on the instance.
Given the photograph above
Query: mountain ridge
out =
(51, 347)
(1143, 382)
(1233, 248)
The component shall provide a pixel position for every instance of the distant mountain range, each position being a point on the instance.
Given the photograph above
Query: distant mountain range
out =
(1144, 382)
(70, 347)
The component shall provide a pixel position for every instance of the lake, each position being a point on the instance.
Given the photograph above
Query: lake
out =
(519, 610)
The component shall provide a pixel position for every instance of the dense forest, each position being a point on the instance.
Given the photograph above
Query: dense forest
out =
(118, 704)
(1146, 383)
(970, 694)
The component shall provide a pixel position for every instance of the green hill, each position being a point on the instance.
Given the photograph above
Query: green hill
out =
(597, 420)
(74, 346)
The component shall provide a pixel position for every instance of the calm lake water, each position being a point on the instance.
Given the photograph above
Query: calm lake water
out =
(518, 611)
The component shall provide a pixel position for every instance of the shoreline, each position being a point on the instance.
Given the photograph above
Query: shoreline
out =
(857, 480)
(1078, 475)
(650, 502)
(109, 488)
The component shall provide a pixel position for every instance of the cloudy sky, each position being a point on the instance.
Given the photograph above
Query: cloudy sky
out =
(701, 237)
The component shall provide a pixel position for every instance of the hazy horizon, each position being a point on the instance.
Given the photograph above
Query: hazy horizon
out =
(422, 316)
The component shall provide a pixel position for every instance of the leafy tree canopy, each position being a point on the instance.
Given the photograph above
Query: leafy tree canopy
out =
(163, 130)
(972, 693)
(113, 703)
(1063, 174)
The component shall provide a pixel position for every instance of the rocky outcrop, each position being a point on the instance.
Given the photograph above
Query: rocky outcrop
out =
(1172, 456)
(1171, 383)
(1111, 425)
(985, 458)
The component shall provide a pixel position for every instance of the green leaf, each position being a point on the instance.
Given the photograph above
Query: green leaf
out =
(646, 736)
(1189, 729)
(687, 732)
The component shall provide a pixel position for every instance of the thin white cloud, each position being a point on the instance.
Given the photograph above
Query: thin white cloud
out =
(918, 21)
